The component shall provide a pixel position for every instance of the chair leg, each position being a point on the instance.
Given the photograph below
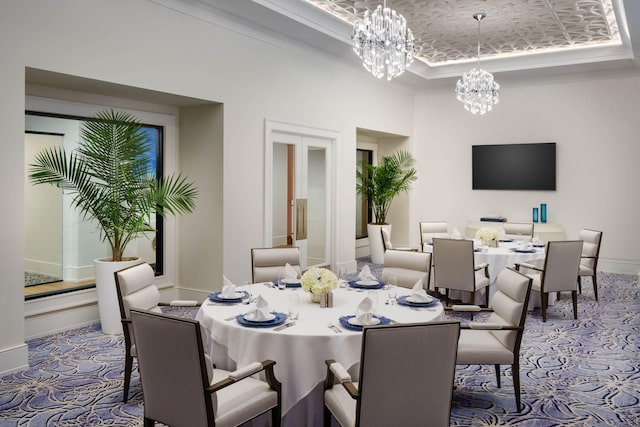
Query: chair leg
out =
(544, 296)
(498, 375)
(486, 297)
(327, 417)
(574, 296)
(148, 422)
(595, 286)
(276, 416)
(580, 284)
(515, 373)
(128, 366)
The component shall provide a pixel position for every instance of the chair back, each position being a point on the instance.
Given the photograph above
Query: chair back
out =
(453, 264)
(518, 231)
(267, 264)
(590, 248)
(173, 370)
(386, 239)
(406, 374)
(431, 229)
(135, 289)
(407, 267)
(509, 305)
(561, 266)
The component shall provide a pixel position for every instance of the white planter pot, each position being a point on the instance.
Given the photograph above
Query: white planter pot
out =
(107, 295)
(375, 242)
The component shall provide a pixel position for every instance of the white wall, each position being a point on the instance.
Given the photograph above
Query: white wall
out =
(153, 47)
(595, 121)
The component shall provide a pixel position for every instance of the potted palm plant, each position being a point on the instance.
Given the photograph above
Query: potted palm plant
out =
(380, 184)
(113, 183)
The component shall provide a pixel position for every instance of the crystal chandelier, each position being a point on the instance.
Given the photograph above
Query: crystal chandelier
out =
(383, 42)
(477, 89)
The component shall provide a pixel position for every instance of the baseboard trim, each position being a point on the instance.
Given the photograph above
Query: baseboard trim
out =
(14, 359)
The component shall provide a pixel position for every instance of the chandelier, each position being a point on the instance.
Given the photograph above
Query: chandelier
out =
(477, 89)
(383, 42)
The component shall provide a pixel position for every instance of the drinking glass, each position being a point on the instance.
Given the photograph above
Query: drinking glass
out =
(392, 284)
(281, 284)
(246, 296)
(342, 281)
(294, 305)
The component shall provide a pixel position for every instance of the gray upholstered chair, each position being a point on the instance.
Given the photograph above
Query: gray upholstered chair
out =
(431, 229)
(136, 289)
(497, 341)
(267, 264)
(407, 267)
(589, 259)
(454, 268)
(386, 242)
(182, 388)
(559, 272)
(518, 231)
(406, 378)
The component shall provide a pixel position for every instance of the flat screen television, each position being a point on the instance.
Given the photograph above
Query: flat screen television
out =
(514, 166)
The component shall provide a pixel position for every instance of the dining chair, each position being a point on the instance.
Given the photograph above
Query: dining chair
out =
(518, 230)
(406, 377)
(589, 258)
(431, 229)
(497, 341)
(454, 268)
(182, 388)
(135, 288)
(386, 242)
(407, 267)
(558, 273)
(267, 264)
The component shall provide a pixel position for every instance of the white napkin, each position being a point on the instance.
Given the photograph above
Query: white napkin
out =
(290, 273)
(455, 234)
(365, 274)
(261, 312)
(228, 288)
(418, 294)
(364, 313)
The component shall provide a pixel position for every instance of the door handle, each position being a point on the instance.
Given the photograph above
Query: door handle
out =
(301, 219)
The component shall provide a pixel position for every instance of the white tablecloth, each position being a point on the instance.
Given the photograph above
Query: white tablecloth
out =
(498, 259)
(300, 350)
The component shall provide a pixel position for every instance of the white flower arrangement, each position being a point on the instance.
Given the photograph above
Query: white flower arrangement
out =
(318, 280)
(487, 233)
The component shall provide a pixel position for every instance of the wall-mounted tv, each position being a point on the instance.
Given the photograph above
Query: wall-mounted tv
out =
(514, 166)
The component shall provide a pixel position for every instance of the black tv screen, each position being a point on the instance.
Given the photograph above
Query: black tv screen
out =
(514, 166)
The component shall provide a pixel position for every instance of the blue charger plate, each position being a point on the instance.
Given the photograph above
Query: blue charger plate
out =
(524, 251)
(289, 285)
(344, 321)
(353, 284)
(278, 320)
(505, 240)
(216, 298)
(403, 301)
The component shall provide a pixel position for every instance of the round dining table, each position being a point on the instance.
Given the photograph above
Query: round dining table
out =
(300, 349)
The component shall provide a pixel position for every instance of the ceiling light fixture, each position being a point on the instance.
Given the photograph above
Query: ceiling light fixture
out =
(383, 42)
(477, 89)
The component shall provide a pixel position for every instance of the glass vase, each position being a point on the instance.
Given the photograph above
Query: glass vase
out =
(535, 214)
(543, 212)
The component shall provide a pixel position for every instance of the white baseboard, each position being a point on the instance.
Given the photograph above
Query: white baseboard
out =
(42, 267)
(619, 266)
(14, 359)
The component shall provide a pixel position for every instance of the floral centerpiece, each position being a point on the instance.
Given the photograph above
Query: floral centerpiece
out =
(317, 281)
(487, 235)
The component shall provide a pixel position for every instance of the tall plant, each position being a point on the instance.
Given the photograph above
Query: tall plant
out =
(112, 179)
(382, 183)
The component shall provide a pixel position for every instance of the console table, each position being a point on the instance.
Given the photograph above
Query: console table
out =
(545, 231)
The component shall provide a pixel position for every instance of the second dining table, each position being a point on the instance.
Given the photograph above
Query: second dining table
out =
(300, 349)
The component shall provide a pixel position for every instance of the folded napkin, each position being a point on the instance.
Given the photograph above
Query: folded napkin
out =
(418, 294)
(365, 274)
(228, 288)
(455, 234)
(261, 312)
(364, 314)
(290, 273)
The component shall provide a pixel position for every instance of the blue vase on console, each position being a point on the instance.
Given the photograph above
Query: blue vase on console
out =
(535, 214)
(543, 212)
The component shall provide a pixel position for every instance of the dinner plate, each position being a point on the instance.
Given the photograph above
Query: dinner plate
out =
(355, 322)
(524, 251)
(344, 321)
(356, 284)
(410, 298)
(277, 320)
(216, 297)
(403, 300)
(269, 318)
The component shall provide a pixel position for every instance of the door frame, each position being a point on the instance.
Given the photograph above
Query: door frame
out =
(333, 138)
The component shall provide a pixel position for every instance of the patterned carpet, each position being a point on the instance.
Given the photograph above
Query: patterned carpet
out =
(574, 373)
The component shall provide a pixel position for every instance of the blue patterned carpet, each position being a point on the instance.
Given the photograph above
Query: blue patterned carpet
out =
(573, 373)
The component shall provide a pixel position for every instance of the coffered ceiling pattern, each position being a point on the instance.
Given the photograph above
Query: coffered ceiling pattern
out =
(446, 32)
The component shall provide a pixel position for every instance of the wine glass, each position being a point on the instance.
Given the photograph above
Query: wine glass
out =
(392, 289)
